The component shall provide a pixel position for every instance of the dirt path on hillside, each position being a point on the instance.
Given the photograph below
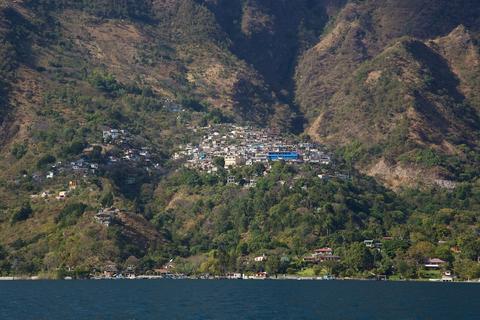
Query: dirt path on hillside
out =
(313, 129)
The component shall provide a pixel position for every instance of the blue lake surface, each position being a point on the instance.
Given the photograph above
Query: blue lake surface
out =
(223, 299)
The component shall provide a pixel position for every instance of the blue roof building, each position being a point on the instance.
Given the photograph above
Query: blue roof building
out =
(287, 156)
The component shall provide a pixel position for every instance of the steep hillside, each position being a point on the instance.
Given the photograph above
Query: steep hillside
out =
(271, 35)
(155, 44)
(460, 48)
(394, 100)
(363, 29)
(14, 49)
(68, 63)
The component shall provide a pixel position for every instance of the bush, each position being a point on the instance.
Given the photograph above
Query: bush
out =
(70, 214)
(105, 82)
(45, 160)
(192, 104)
(19, 150)
(75, 148)
(134, 9)
(23, 213)
(3, 253)
(107, 200)
(96, 154)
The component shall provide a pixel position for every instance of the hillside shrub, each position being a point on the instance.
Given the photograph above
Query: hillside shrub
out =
(23, 213)
(70, 214)
(45, 160)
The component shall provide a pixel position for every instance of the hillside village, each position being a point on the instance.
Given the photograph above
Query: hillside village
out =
(117, 148)
(236, 145)
(239, 145)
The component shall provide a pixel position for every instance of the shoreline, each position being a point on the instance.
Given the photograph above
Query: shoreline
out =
(159, 278)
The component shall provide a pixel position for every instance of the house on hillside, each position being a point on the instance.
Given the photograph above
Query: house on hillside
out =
(110, 270)
(261, 258)
(261, 275)
(447, 276)
(106, 216)
(112, 135)
(62, 195)
(283, 155)
(372, 244)
(233, 161)
(369, 243)
(161, 272)
(166, 270)
(72, 185)
(322, 255)
(434, 263)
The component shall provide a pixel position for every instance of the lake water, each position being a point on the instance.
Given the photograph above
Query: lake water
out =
(210, 299)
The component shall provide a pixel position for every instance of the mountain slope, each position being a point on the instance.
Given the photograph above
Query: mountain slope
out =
(393, 99)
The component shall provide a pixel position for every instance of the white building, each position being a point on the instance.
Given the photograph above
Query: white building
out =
(261, 258)
(62, 195)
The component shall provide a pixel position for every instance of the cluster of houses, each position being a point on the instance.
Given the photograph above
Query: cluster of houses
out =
(239, 145)
(373, 244)
(80, 167)
(60, 195)
(106, 216)
(172, 106)
(114, 136)
(446, 184)
(167, 271)
(111, 271)
(130, 150)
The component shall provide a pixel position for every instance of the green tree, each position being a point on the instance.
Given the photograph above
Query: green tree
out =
(467, 269)
(107, 199)
(96, 154)
(405, 268)
(219, 162)
(272, 265)
(70, 214)
(105, 82)
(358, 258)
(471, 248)
(45, 160)
(23, 213)
(19, 150)
(421, 251)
